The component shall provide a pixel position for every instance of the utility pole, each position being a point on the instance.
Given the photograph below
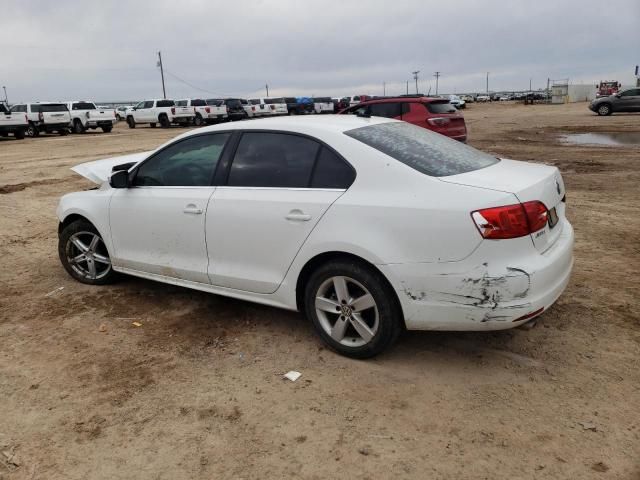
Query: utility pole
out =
(384, 89)
(164, 92)
(407, 87)
(266, 85)
(6, 99)
(487, 83)
(415, 77)
(530, 84)
(437, 75)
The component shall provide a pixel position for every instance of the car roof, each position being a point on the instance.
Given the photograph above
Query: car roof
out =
(308, 124)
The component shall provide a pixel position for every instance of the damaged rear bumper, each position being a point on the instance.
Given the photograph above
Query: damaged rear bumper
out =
(497, 287)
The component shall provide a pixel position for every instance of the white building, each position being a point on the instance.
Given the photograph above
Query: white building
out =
(571, 93)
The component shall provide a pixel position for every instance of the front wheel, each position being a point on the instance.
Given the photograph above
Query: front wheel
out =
(604, 109)
(353, 308)
(131, 122)
(32, 131)
(78, 127)
(164, 121)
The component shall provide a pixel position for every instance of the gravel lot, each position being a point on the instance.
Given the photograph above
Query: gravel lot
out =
(197, 390)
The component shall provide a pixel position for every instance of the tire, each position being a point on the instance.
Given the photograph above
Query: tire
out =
(164, 121)
(84, 255)
(19, 134)
(118, 117)
(32, 130)
(78, 127)
(63, 132)
(198, 121)
(340, 321)
(107, 129)
(152, 125)
(605, 110)
(131, 122)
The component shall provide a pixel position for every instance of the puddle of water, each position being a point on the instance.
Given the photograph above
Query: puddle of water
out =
(612, 139)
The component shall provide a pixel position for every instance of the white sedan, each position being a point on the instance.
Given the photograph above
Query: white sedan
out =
(367, 225)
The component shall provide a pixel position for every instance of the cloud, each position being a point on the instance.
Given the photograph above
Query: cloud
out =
(108, 50)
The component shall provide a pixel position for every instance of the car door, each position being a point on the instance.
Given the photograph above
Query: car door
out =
(157, 225)
(629, 101)
(277, 190)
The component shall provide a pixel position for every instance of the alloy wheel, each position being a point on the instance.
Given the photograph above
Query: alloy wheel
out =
(87, 255)
(347, 311)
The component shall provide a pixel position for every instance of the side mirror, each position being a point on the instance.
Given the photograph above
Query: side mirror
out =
(119, 179)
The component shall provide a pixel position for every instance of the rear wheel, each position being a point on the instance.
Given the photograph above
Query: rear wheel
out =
(604, 109)
(78, 127)
(131, 122)
(198, 121)
(353, 308)
(32, 130)
(84, 254)
(164, 121)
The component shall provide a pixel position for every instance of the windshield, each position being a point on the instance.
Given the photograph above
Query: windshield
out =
(421, 149)
(440, 107)
(214, 101)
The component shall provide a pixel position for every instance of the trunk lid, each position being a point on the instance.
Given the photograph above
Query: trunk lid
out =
(528, 182)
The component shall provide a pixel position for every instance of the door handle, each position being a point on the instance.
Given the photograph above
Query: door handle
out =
(191, 208)
(298, 216)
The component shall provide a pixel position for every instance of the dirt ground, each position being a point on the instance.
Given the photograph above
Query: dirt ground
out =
(197, 390)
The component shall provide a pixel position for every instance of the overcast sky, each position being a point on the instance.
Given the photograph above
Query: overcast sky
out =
(65, 49)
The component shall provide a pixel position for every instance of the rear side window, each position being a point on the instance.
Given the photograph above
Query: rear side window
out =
(198, 103)
(215, 102)
(187, 163)
(440, 107)
(83, 106)
(181, 103)
(388, 110)
(331, 171)
(273, 160)
(425, 151)
(165, 103)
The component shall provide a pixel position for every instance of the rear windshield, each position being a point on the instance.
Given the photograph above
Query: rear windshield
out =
(180, 103)
(421, 149)
(215, 101)
(165, 103)
(322, 100)
(440, 107)
(274, 100)
(83, 106)
(233, 102)
(50, 107)
(255, 101)
(198, 103)
(290, 100)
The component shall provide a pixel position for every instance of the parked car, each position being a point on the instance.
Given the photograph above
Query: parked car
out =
(367, 225)
(162, 111)
(45, 117)
(483, 98)
(203, 113)
(468, 98)
(122, 110)
(12, 122)
(260, 109)
(298, 106)
(457, 102)
(432, 113)
(277, 105)
(85, 115)
(505, 98)
(234, 107)
(624, 101)
(323, 105)
(250, 109)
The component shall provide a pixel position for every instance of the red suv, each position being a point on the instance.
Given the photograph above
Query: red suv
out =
(435, 114)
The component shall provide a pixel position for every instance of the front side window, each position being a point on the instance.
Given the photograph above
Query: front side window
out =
(630, 93)
(187, 163)
(387, 110)
(148, 104)
(273, 160)
(421, 149)
(139, 106)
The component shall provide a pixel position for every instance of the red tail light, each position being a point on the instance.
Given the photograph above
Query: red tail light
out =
(253, 108)
(41, 117)
(273, 107)
(510, 221)
(173, 110)
(438, 122)
(194, 109)
(207, 109)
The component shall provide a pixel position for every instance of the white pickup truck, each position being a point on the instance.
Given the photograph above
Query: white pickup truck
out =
(164, 112)
(204, 113)
(45, 117)
(85, 115)
(12, 122)
(323, 104)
